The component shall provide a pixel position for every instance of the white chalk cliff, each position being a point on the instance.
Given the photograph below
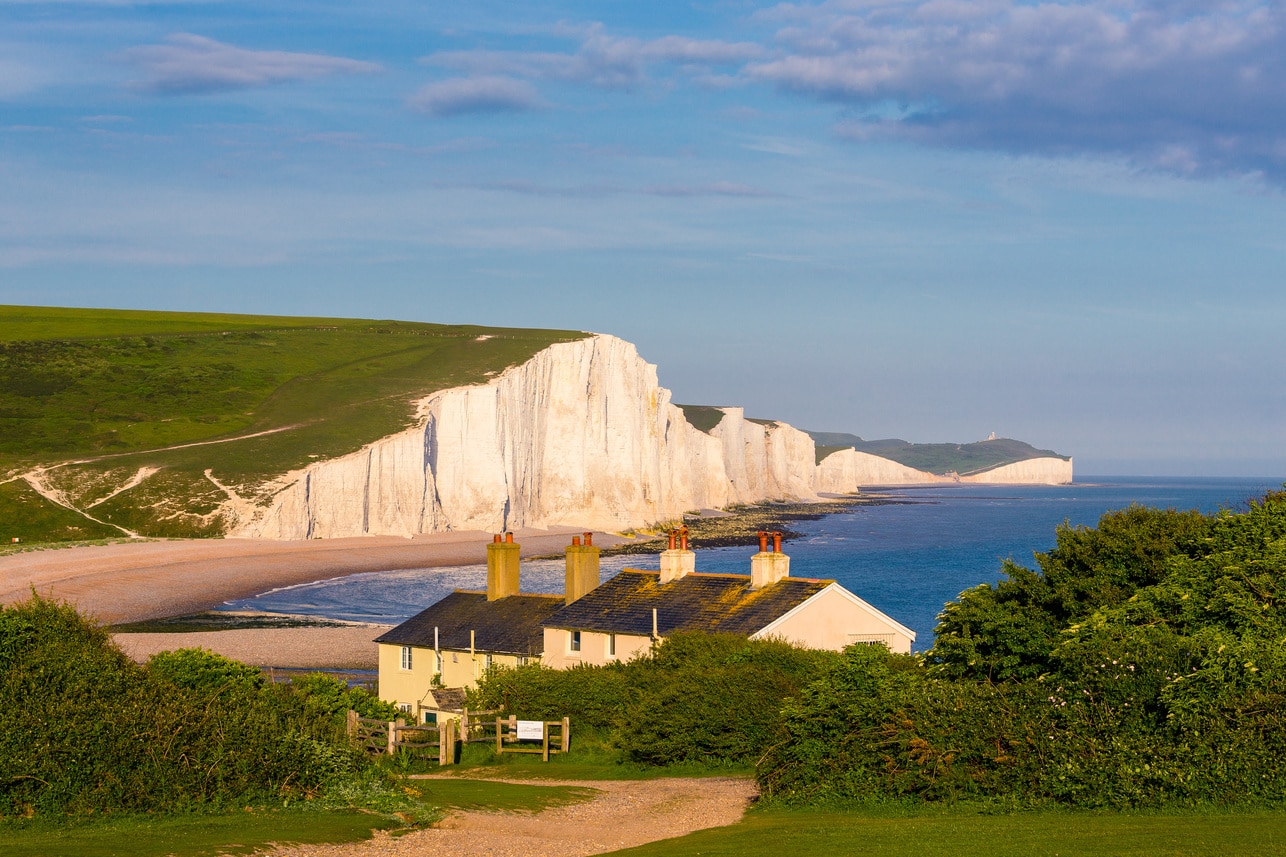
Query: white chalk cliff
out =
(582, 435)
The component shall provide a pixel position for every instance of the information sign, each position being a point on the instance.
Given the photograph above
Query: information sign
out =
(531, 730)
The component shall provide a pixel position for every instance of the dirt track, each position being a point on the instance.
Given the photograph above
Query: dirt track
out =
(627, 813)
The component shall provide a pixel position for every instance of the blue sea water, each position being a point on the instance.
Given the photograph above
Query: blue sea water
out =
(907, 558)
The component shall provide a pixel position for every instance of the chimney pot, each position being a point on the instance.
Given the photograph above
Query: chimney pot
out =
(495, 540)
(575, 541)
(502, 568)
(776, 542)
(674, 537)
(763, 541)
(683, 538)
(589, 540)
(509, 538)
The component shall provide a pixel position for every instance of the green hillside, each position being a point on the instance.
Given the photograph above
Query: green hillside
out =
(247, 397)
(939, 458)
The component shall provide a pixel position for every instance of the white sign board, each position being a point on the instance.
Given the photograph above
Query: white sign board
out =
(531, 730)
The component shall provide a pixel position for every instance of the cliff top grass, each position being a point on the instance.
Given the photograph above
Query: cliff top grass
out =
(939, 458)
(120, 390)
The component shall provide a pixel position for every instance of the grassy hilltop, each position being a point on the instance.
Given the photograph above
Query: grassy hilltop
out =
(938, 458)
(99, 397)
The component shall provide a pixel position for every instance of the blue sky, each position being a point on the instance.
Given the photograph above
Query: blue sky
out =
(1062, 222)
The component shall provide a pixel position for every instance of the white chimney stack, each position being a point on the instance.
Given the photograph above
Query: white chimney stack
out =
(678, 561)
(768, 567)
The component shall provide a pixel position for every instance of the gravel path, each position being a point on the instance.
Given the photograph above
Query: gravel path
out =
(626, 814)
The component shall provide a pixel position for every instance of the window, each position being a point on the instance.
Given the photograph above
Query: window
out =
(404, 707)
(575, 641)
(523, 660)
(406, 657)
(430, 717)
(611, 645)
(486, 661)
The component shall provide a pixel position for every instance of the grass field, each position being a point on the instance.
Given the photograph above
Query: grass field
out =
(185, 835)
(165, 396)
(960, 832)
(246, 831)
(939, 458)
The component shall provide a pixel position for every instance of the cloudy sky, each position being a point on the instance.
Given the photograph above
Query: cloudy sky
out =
(1061, 222)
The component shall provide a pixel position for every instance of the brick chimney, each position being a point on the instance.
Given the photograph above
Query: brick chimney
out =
(582, 567)
(678, 561)
(767, 567)
(502, 567)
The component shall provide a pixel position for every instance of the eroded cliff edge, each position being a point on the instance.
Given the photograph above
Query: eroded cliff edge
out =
(582, 435)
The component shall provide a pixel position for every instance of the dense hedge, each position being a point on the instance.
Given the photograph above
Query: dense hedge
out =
(84, 729)
(710, 699)
(1145, 665)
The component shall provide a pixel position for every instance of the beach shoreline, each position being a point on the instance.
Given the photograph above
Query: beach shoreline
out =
(137, 581)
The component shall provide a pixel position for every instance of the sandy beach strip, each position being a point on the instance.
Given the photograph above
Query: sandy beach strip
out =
(136, 581)
(349, 647)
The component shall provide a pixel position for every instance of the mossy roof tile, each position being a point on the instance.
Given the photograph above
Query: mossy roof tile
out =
(716, 603)
(513, 625)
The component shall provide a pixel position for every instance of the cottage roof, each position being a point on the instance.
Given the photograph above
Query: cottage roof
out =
(715, 603)
(512, 625)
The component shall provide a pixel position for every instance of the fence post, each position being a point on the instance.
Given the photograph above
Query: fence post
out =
(350, 728)
(567, 734)
(451, 727)
(544, 741)
(499, 748)
(392, 736)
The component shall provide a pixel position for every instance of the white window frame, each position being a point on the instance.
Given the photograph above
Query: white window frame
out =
(407, 659)
(573, 641)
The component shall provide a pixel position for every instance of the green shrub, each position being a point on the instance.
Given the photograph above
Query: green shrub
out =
(1145, 666)
(84, 729)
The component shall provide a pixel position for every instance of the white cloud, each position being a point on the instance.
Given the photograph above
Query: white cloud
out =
(189, 63)
(1181, 86)
(487, 94)
(601, 59)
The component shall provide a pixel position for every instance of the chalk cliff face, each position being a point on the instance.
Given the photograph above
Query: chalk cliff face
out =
(1033, 471)
(583, 435)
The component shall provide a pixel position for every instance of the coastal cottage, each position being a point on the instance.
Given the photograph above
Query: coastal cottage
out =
(622, 618)
(454, 642)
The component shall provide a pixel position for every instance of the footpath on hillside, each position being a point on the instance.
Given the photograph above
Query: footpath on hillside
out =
(624, 814)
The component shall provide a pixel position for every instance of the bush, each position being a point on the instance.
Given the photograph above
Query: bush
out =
(1146, 666)
(713, 699)
(84, 729)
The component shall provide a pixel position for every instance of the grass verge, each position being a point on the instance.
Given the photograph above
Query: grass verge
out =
(490, 796)
(966, 832)
(186, 835)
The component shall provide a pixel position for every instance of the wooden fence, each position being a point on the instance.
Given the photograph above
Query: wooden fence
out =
(435, 742)
(554, 736)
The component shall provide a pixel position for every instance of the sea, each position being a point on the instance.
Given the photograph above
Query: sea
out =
(908, 558)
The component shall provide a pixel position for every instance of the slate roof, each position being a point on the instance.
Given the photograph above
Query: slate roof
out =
(513, 625)
(715, 603)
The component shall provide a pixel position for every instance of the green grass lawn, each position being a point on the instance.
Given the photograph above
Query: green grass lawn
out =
(185, 835)
(467, 794)
(111, 389)
(198, 835)
(960, 832)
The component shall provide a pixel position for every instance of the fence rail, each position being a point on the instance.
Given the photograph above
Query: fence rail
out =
(433, 742)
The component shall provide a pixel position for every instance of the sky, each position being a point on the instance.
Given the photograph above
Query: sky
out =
(933, 220)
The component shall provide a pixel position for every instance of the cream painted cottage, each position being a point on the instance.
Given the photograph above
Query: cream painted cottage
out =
(454, 642)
